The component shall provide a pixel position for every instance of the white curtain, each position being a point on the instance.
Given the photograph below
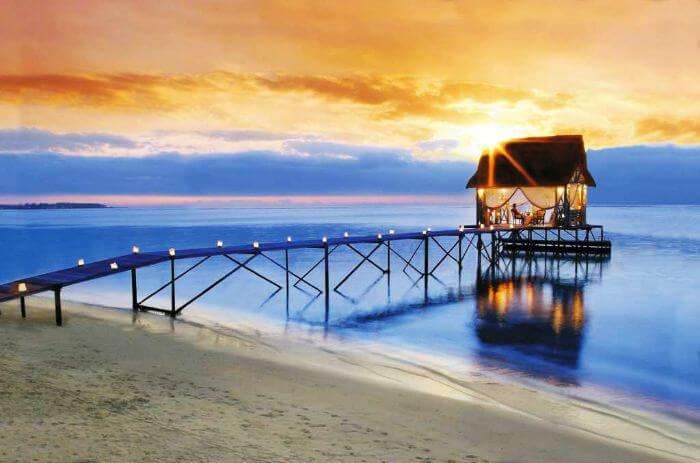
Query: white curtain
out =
(541, 196)
(497, 197)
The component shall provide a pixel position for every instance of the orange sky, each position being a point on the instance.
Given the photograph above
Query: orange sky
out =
(390, 73)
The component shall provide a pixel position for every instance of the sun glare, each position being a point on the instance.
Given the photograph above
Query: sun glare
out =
(488, 136)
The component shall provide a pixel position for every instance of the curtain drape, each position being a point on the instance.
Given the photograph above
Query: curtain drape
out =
(577, 195)
(497, 197)
(540, 196)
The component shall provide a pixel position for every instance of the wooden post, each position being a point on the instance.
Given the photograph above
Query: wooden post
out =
(388, 257)
(326, 281)
(57, 306)
(286, 277)
(459, 250)
(172, 287)
(426, 263)
(134, 292)
(479, 245)
(23, 307)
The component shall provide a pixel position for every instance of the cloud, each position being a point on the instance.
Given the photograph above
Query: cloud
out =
(392, 96)
(251, 173)
(669, 129)
(31, 140)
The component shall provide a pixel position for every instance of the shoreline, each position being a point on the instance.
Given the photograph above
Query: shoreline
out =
(110, 347)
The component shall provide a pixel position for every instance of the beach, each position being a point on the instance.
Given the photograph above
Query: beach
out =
(113, 386)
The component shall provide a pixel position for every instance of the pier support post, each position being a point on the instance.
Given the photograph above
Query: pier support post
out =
(172, 287)
(23, 307)
(134, 292)
(388, 257)
(286, 276)
(493, 248)
(459, 250)
(426, 263)
(479, 245)
(326, 279)
(57, 306)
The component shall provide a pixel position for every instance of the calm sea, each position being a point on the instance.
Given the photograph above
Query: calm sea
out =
(626, 327)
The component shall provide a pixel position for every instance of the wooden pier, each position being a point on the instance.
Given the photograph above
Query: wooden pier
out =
(486, 244)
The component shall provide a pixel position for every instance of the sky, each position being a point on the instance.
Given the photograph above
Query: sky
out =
(331, 98)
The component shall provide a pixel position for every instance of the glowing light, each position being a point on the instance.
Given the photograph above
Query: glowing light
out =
(219, 244)
(81, 262)
(461, 228)
(391, 232)
(135, 249)
(324, 239)
(113, 266)
(379, 236)
(171, 251)
(346, 234)
(256, 245)
(425, 232)
(22, 287)
(289, 239)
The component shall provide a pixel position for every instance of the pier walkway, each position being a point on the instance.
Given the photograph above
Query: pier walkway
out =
(487, 242)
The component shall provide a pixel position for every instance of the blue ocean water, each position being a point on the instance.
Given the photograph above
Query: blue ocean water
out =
(628, 325)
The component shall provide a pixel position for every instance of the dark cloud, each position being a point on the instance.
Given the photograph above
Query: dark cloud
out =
(251, 173)
(631, 175)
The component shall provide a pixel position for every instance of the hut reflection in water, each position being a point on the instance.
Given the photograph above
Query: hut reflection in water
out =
(533, 315)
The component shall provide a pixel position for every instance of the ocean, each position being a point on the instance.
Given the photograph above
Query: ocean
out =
(624, 329)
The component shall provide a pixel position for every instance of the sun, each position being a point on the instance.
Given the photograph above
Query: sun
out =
(488, 136)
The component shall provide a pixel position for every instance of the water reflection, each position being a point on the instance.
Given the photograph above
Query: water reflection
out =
(531, 315)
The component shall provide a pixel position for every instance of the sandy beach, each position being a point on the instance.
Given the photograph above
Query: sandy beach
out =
(114, 386)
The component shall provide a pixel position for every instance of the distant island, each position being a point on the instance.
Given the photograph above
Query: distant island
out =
(52, 206)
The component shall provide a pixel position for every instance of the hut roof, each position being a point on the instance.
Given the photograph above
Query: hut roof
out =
(535, 161)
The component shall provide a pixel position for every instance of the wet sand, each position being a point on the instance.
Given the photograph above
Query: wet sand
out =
(110, 386)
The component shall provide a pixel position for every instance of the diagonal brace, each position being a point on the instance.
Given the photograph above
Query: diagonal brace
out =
(254, 272)
(299, 279)
(445, 256)
(197, 264)
(364, 259)
(216, 283)
(330, 251)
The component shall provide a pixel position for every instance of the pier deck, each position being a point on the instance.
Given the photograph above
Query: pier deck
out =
(487, 242)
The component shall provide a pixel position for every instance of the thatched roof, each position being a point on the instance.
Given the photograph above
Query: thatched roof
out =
(535, 161)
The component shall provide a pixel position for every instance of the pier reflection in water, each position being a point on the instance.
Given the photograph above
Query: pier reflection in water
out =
(531, 313)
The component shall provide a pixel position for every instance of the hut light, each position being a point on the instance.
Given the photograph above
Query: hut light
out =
(481, 225)
(510, 225)
(171, 251)
(135, 249)
(324, 239)
(256, 245)
(346, 234)
(289, 239)
(480, 192)
(391, 232)
(491, 227)
(81, 262)
(113, 266)
(219, 244)
(379, 236)
(22, 287)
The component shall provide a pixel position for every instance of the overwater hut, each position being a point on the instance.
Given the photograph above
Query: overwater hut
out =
(537, 181)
